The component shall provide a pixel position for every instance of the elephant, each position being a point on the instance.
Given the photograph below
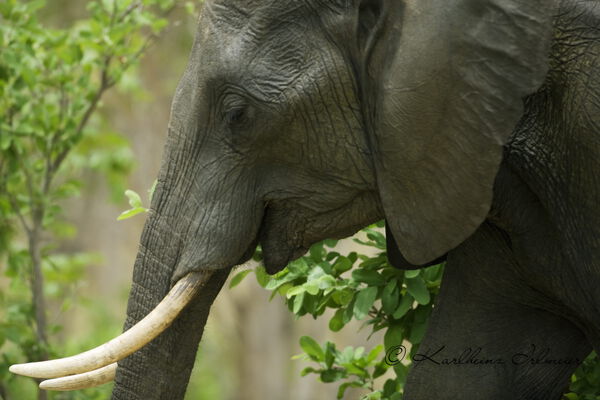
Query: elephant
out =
(471, 126)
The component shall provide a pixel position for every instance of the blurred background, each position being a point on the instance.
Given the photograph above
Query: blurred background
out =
(249, 341)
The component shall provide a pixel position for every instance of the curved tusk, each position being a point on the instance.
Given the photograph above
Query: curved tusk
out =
(82, 381)
(126, 343)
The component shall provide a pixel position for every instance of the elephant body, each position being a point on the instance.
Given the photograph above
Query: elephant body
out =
(522, 288)
(472, 127)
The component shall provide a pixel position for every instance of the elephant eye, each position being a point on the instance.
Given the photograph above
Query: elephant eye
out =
(235, 115)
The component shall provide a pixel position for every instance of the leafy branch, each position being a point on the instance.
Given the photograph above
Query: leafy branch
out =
(52, 82)
(367, 288)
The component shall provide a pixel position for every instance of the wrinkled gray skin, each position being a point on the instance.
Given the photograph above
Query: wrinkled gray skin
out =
(472, 127)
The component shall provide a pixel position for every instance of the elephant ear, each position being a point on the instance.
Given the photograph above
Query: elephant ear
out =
(446, 79)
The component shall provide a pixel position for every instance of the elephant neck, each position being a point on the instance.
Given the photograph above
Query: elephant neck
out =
(549, 175)
(546, 200)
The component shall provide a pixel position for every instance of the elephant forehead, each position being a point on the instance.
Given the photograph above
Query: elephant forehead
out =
(256, 16)
(261, 17)
(240, 10)
(258, 42)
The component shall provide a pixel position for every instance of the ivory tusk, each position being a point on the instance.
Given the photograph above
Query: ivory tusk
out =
(128, 342)
(82, 381)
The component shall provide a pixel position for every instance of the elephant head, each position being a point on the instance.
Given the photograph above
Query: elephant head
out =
(300, 120)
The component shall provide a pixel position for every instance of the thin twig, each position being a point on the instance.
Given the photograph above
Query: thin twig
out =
(30, 191)
(105, 84)
(15, 206)
(129, 10)
(20, 133)
(37, 287)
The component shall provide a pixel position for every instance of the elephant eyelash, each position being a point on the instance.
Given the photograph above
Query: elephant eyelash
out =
(235, 108)
(235, 115)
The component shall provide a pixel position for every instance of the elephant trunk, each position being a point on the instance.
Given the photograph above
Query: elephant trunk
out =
(161, 369)
(193, 229)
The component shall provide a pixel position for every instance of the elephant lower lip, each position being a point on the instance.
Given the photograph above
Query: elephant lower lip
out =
(249, 252)
(278, 247)
(275, 262)
(297, 253)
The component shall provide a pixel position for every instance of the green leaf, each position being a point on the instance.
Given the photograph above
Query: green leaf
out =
(390, 387)
(342, 265)
(331, 243)
(312, 348)
(190, 8)
(373, 263)
(135, 200)
(343, 297)
(417, 331)
(412, 273)
(348, 312)
(238, 278)
(393, 336)
(131, 213)
(152, 190)
(332, 375)
(344, 386)
(336, 323)
(416, 287)
(373, 396)
(308, 370)
(370, 277)
(326, 282)
(330, 352)
(311, 287)
(298, 300)
(294, 291)
(299, 267)
(364, 302)
(358, 352)
(5, 140)
(396, 396)
(317, 252)
(261, 276)
(316, 273)
(275, 282)
(433, 273)
(374, 353)
(406, 303)
(377, 237)
(390, 297)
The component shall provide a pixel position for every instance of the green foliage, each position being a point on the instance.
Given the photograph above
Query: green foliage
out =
(51, 85)
(136, 204)
(585, 382)
(358, 368)
(135, 201)
(360, 287)
(367, 288)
